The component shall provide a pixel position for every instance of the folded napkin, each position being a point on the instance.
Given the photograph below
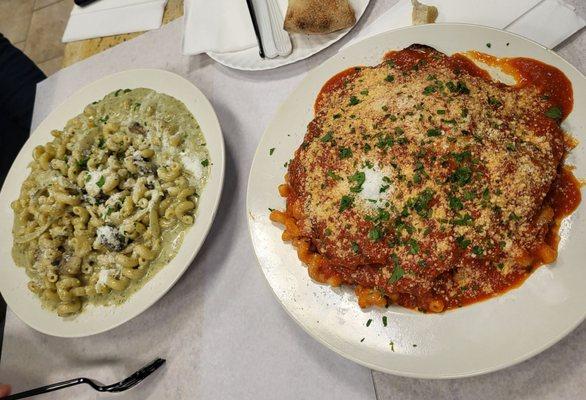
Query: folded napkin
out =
(548, 22)
(113, 17)
(219, 26)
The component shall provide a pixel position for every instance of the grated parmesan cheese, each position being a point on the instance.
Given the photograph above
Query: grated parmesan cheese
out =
(109, 237)
(103, 276)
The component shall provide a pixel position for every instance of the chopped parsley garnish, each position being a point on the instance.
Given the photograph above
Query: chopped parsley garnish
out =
(478, 250)
(385, 141)
(101, 181)
(205, 162)
(336, 116)
(346, 202)
(364, 92)
(441, 112)
(332, 175)
(271, 151)
(459, 87)
(465, 219)
(101, 142)
(82, 163)
(358, 178)
(511, 147)
(345, 152)
(362, 340)
(514, 217)
(429, 90)
(369, 322)
(464, 113)
(355, 247)
(413, 246)
(421, 204)
(464, 155)
(327, 137)
(390, 78)
(104, 119)
(489, 45)
(554, 113)
(494, 101)
(354, 100)
(462, 242)
(456, 204)
(384, 320)
(383, 215)
(398, 272)
(461, 176)
(375, 234)
(434, 132)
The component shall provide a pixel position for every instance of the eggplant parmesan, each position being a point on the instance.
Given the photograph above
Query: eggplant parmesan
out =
(425, 183)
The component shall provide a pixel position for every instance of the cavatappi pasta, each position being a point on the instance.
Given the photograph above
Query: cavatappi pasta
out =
(108, 200)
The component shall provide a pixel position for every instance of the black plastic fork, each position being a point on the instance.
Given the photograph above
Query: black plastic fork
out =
(121, 386)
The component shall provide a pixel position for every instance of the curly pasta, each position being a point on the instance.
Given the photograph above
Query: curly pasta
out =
(107, 201)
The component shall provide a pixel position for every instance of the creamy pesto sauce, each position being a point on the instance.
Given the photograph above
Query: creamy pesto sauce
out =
(164, 119)
(171, 117)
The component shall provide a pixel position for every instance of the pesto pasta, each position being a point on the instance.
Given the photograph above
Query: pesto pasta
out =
(107, 202)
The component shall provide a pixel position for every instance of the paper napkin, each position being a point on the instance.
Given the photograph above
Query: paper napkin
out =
(548, 22)
(113, 17)
(218, 26)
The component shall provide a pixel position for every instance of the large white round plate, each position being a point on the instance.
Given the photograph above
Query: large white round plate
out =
(303, 46)
(13, 280)
(480, 338)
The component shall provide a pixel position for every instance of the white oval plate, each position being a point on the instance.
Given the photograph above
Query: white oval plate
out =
(13, 280)
(303, 46)
(473, 340)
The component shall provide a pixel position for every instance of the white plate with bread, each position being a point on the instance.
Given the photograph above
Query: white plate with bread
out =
(313, 25)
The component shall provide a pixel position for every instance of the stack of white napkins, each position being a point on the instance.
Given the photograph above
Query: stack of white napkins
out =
(114, 17)
(548, 22)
